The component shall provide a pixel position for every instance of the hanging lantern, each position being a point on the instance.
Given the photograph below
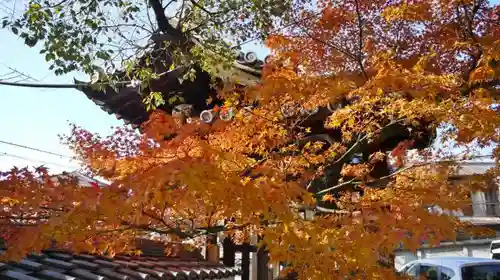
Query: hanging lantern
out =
(207, 116)
(226, 114)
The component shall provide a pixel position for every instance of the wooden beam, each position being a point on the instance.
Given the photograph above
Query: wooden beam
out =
(245, 265)
(262, 264)
(229, 252)
(245, 248)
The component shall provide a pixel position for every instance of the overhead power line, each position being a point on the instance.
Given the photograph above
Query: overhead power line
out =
(39, 161)
(20, 73)
(36, 149)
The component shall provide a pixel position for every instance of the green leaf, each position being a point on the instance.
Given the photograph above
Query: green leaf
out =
(14, 30)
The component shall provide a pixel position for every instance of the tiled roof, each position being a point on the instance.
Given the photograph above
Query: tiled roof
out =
(83, 180)
(126, 102)
(478, 167)
(481, 221)
(56, 265)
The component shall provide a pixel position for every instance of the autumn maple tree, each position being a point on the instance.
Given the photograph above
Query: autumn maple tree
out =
(351, 87)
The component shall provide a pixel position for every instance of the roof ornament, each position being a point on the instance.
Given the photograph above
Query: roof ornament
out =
(250, 57)
(134, 83)
(183, 109)
(98, 75)
(226, 114)
(268, 58)
(208, 116)
(240, 56)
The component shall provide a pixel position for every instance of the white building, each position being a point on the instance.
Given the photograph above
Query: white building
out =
(484, 211)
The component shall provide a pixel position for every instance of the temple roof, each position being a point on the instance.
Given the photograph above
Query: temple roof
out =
(82, 179)
(68, 266)
(127, 103)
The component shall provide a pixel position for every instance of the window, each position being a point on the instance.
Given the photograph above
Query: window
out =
(481, 272)
(491, 201)
(446, 273)
(411, 270)
(495, 245)
(429, 272)
(486, 203)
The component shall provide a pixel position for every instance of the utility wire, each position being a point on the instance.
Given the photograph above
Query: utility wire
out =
(20, 73)
(36, 160)
(6, 75)
(36, 149)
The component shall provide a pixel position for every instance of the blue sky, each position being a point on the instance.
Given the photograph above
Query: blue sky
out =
(35, 117)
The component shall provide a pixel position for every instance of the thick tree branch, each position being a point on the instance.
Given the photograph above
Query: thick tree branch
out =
(335, 167)
(175, 35)
(383, 181)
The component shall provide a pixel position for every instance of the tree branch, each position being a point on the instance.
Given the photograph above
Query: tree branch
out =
(340, 50)
(383, 181)
(359, 57)
(176, 35)
(197, 5)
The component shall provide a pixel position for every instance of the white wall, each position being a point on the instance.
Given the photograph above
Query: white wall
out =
(459, 251)
(480, 251)
(403, 257)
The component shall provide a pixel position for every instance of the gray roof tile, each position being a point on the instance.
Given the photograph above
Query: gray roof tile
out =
(107, 264)
(126, 264)
(86, 264)
(58, 263)
(66, 266)
(15, 275)
(60, 256)
(111, 274)
(152, 272)
(85, 274)
(53, 275)
(29, 265)
(134, 273)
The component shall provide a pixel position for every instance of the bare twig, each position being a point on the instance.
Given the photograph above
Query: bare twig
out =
(359, 56)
